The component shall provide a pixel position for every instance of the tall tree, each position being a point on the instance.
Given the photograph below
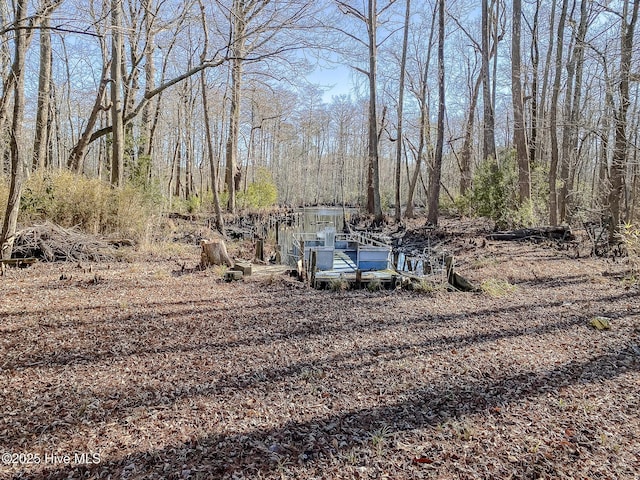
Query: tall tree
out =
(238, 51)
(535, 62)
(572, 105)
(421, 92)
(399, 135)
(488, 138)
(519, 129)
(115, 86)
(374, 204)
(620, 149)
(553, 119)
(207, 126)
(7, 238)
(370, 17)
(436, 167)
(40, 143)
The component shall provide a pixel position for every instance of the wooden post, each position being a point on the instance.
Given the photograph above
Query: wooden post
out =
(358, 278)
(260, 250)
(312, 276)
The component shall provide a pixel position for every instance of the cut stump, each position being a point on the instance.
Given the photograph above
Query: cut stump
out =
(214, 252)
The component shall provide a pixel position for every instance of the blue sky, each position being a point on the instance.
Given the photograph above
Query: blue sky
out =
(337, 80)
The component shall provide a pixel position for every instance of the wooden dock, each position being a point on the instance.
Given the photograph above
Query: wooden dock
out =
(345, 269)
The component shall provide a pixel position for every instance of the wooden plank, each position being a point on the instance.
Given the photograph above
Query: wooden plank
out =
(231, 275)
(244, 267)
(19, 261)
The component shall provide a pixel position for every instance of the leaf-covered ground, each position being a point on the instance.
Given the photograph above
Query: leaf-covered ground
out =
(159, 373)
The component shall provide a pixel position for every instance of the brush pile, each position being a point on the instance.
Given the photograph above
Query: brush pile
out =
(52, 243)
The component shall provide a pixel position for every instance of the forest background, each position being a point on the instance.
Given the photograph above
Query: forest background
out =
(114, 111)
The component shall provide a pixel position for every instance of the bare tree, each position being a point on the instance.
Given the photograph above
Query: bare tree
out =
(17, 157)
(370, 17)
(115, 86)
(399, 135)
(40, 143)
(620, 150)
(436, 167)
(572, 105)
(553, 119)
(519, 128)
(207, 126)
(488, 139)
(424, 140)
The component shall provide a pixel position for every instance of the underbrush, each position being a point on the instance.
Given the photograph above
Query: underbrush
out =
(90, 204)
(631, 239)
(497, 288)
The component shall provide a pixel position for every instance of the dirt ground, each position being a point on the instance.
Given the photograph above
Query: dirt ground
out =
(146, 369)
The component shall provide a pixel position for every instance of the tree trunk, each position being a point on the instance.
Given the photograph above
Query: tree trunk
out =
(488, 138)
(436, 170)
(374, 205)
(40, 144)
(17, 161)
(117, 120)
(466, 175)
(75, 161)
(573, 102)
(567, 127)
(541, 113)
(519, 129)
(238, 48)
(403, 64)
(212, 160)
(553, 120)
(619, 162)
(535, 61)
(149, 80)
(207, 127)
(424, 123)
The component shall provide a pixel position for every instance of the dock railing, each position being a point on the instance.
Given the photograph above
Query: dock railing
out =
(305, 243)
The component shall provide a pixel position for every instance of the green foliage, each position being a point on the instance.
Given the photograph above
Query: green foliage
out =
(261, 193)
(94, 206)
(491, 191)
(193, 204)
(495, 190)
(140, 172)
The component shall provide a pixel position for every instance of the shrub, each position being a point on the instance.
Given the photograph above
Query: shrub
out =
(495, 189)
(69, 200)
(490, 192)
(261, 193)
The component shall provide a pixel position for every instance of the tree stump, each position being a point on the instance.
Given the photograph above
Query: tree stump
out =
(214, 252)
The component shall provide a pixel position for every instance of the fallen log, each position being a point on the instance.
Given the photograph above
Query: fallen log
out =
(555, 233)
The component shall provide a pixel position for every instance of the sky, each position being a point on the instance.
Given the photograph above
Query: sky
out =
(336, 81)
